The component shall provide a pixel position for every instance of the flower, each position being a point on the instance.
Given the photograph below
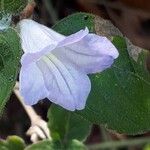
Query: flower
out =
(55, 66)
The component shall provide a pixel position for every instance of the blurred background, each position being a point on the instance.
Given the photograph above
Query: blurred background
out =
(15, 120)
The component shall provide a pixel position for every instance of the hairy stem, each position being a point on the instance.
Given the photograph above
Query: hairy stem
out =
(120, 144)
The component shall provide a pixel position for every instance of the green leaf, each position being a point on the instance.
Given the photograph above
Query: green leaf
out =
(76, 145)
(147, 147)
(120, 96)
(12, 143)
(45, 145)
(74, 23)
(10, 51)
(12, 6)
(66, 126)
(51, 145)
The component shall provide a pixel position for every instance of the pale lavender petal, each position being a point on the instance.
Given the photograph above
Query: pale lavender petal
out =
(73, 38)
(32, 86)
(57, 68)
(67, 87)
(91, 54)
(35, 36)
(29, 58)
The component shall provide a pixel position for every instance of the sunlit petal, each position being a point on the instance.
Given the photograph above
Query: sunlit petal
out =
(32, 86)
(67, 87)
(35, 36)
(29, 58)
(91, 54)
(56, 67)
(73, 38)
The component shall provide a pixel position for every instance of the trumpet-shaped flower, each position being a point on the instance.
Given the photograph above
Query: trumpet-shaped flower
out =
(55, 66)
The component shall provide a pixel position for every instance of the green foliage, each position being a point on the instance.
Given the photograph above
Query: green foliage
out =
(147, 147)
(9, 63)
(66, 126)
(120, 96)
(51, 145)
(44, 145)
(74, 23)
(76, 145)
(12, 143)
(12, 6)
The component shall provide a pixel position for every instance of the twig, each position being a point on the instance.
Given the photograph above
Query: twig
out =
(28, 11)
(53, 14)
(38, 129)
(120, 144)
(106, 136)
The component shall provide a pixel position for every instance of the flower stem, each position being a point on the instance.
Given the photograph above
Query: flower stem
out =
(120, 144)
(53, 14)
